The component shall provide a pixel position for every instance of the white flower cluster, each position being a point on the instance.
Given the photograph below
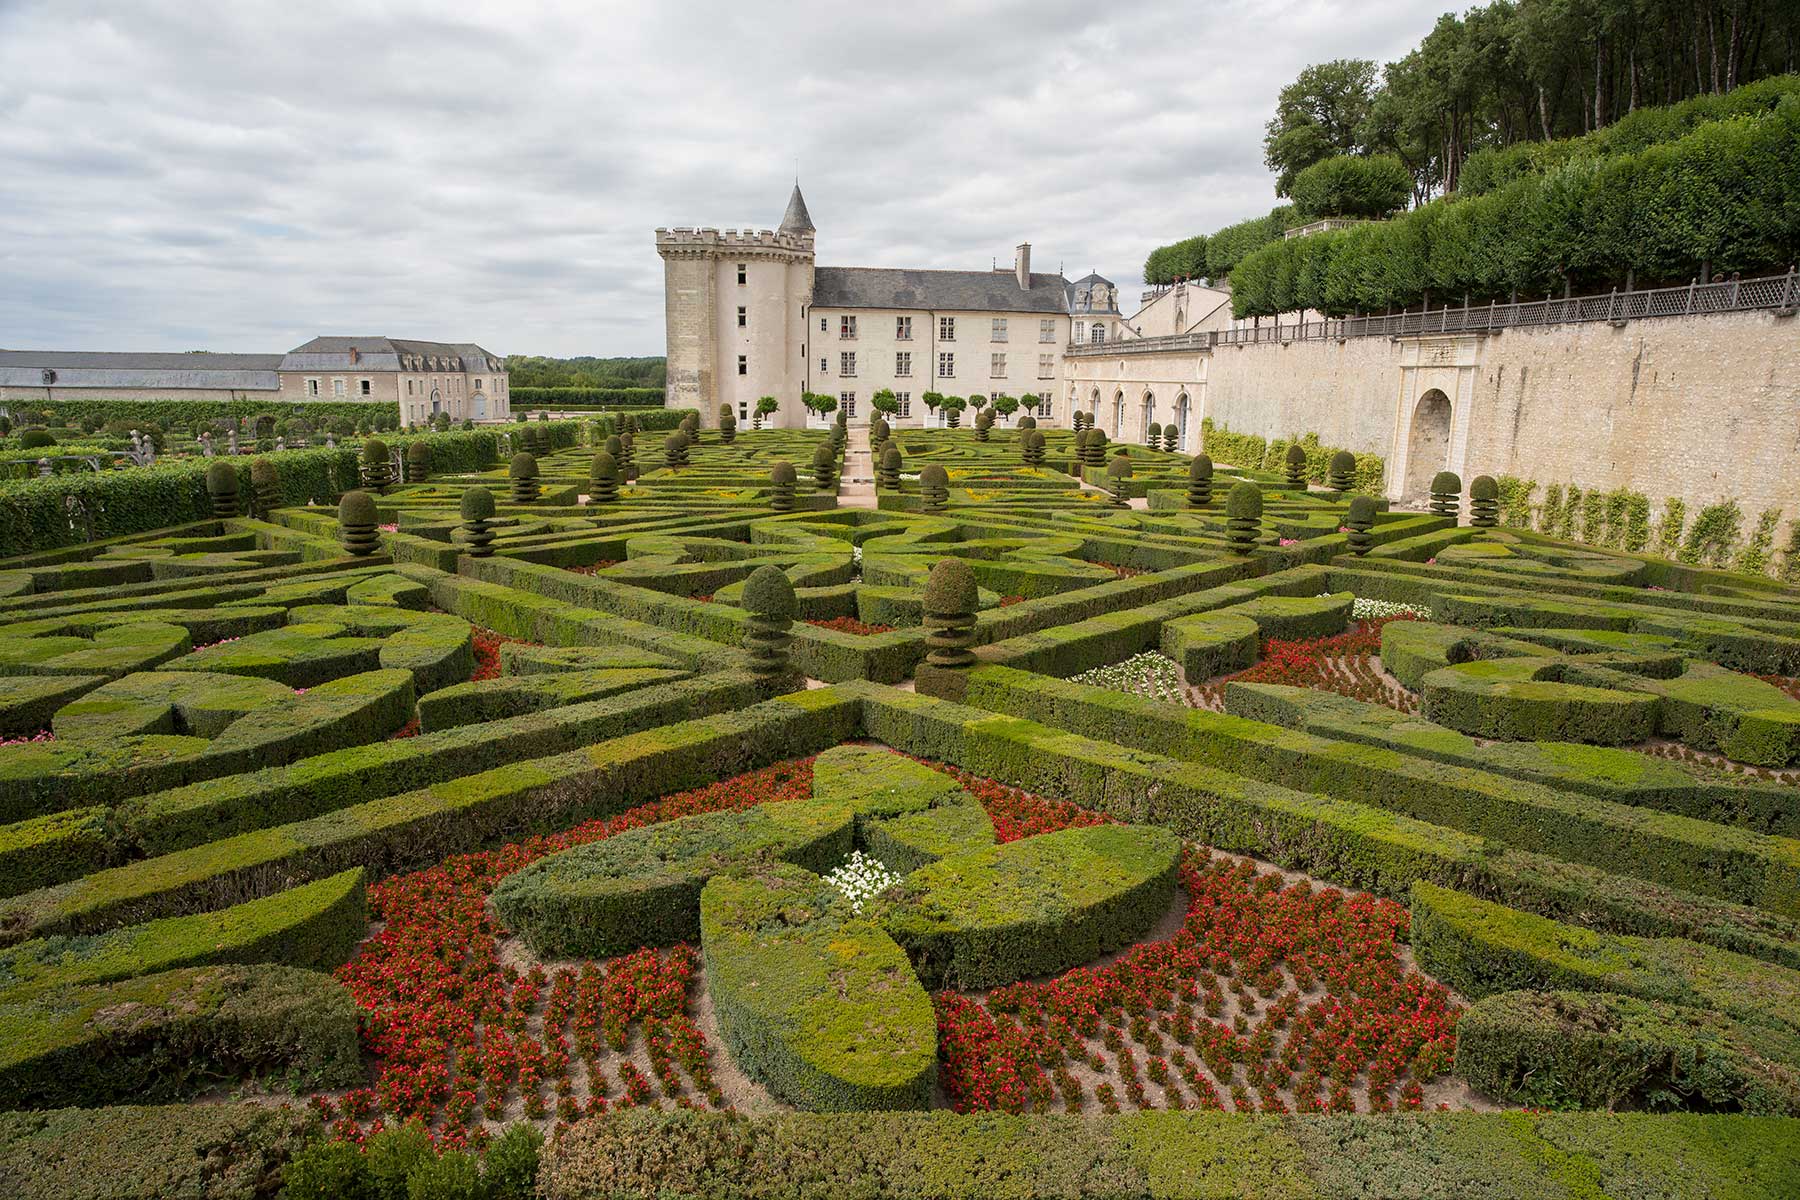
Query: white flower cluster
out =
(1151, 675)
(1363, 609)
(860, 879)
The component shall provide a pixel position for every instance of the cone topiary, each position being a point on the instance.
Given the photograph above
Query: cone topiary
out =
(1359, 522)
(781, 486)
(1200, 477)
(1033, 448)
(1340, 477)
(377, 467)
(888, 476)
(1484, 502)
(357, 521)
(222, 488)
(603, 480)
(1093, 448)
(265, 481)
(1243, 517)
(1295, 466)
(418, 462)
(825, 469)
(1119, 470)
(950, 602)
(1446, 494)
(477, 521)
(934, 488)
(524, 475)
(769, 599)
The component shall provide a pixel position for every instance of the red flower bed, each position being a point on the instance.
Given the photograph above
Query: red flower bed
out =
(487, 653)
(1009, 601)
(852, 625)
(594, 568)
(1120, 571)
(1344, 663)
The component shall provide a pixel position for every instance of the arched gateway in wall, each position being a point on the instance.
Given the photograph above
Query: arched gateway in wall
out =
(1428, 443)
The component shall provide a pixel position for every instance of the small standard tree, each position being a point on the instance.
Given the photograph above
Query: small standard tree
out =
(1006, 406)
(765, 407)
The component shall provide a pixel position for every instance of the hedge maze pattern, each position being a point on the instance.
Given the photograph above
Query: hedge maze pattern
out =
(522, 799)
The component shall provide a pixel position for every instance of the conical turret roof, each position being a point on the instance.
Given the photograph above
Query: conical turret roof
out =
(796, 219)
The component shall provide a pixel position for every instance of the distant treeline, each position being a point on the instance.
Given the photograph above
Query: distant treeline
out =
(535, 371)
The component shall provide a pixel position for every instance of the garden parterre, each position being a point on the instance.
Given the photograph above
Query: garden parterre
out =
(544, 813)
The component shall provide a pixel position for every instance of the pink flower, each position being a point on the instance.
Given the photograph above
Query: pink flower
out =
(1431, 561)
(1288, 542)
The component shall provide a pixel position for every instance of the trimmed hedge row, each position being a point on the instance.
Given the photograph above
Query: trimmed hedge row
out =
(616, 397)
(644, 1155)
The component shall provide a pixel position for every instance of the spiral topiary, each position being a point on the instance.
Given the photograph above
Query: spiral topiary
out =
(222, 488)
(1484, 502)
(1243, 517)
(265, 483)
(627, 455)
(934, 488)
(1200, 477)
(1360, 520)
(1093, 448)
(888, 476)
(524, 475)
(825, 469)
(357, 521)
(1446, 494)
(477, 521)
(1033, 447)
(1119, 470)
(781, 486)
(377, 467)
(603, 480)
(418, 462)
(769, 599)
(1340, 477)
(950, 602)
(674, 450)
(1295, 467)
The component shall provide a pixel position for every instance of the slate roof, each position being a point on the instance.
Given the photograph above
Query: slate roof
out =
(796, 219)
(332, 353)
(132, 370)
(127, 360)
(946, 291)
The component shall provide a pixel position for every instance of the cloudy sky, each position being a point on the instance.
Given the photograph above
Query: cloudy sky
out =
(181, 174)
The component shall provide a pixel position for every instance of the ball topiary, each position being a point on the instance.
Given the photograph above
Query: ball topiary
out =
(1484, 502)
(1446, 494)
(984, 423)
(1341, 475)
(934, 488)
(418, 462)
(769, 599)
(265, 483)
(1200, 479)
(1153, 435)
(603, 480)
(377, 466)
(1243, 517)
(477, 518)
(357, 521)
(1027, 422)
(781, 486)
(524, 475)
(1119, 470)
(1295, 467)
(222, 488)
(888, 476)
(36, 439)
(1360, 520)
(950, 602)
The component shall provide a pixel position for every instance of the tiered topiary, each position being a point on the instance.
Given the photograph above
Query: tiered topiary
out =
(675, 450)
(603, 480)
(357, 521)
(477, 518)
(1200, 477)
(879, 431)
(690, 425)
(1340, 477)
(1032, 447)
(418, 462)
(1079, 420)
(377, 468)
(950, 602)
(825, 469)
(627, 456)
(1360, 520)
(984, 424)
(1446, 495)
(1243, 517)
(1153, 435)
(1093, 448)
(1171, 436)
(1119, 470)
(222, 488)
(1295, 467)
(727, 428)
(888, 474)
(528, 439)
(524, 475)
(265, 482)
(1484, 502)
(934, 488)
(769, 599)
(781, 486)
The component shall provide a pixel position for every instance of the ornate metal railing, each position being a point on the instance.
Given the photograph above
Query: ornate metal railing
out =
(1777, 293)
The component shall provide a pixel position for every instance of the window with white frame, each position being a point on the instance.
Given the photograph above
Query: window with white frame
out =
(1080, 330)
(997, 366)
(1044, 405)
(847, 364)
(742, 277)
(848, 401)
(743, 316)
(846, 326)
(337, 387)
(823, 366)
(903, 329)
(1098, 334)
(946, 329)
(409, 387)
(1047, 330)
(743, 364)
(312, 387)
(999, 330)
(946, 365)
(905, 399)
(1046, 366)
(903, 364)
(824, 324)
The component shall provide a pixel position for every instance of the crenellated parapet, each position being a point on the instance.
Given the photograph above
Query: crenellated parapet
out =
(719, 243)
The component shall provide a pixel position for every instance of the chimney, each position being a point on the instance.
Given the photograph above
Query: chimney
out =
(355, 355)
(1022, 265)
